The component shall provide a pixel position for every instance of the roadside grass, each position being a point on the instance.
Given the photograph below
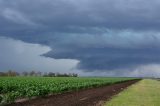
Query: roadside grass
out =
(144, 93)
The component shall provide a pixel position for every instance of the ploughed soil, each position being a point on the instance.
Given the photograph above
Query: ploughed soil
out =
(88, 97)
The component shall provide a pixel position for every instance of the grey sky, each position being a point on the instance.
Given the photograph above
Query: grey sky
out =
(105, 36)
(20, 56)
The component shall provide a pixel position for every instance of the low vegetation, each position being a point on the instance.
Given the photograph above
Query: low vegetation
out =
(144, 93)
(12, 88)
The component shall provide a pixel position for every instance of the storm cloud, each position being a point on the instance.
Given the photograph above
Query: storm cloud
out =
(20, 56)
(103, 35)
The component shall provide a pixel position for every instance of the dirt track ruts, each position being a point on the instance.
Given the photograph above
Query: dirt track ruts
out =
(89, 97)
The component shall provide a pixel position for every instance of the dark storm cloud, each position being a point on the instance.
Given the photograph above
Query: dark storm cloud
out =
(108, 52)
(59, 15)
(102, 35)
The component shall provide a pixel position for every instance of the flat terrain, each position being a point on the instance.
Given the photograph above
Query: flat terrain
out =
(89, 97)
(18, 88)
(144, 93)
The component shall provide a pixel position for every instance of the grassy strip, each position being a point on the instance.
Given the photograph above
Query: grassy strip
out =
(144, 93)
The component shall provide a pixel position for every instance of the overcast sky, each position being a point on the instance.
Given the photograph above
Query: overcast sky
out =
(89, 37)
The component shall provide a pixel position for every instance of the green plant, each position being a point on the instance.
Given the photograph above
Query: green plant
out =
(22, 87)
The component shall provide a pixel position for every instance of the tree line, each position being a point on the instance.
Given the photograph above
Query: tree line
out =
(12, 73)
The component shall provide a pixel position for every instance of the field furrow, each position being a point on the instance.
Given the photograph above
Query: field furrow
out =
(14, 88)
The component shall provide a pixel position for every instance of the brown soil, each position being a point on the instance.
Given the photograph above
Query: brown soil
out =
(89, 97)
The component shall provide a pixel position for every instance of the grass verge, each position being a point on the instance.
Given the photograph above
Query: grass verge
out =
(144, 93)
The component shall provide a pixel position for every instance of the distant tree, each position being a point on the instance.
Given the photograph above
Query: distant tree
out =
(25, 73)
(17, 73)
(2, 74)
(51, 74)
(45, 74)
(9, 72)
(66, 75)
(32, 73)
(39, 73)
(12, 73)
(74, 75)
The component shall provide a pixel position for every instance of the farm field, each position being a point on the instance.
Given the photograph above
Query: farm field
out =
(95, 96)
(144, 93)
(12, 88)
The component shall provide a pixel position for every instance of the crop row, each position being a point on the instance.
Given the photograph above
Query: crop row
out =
(12, 88)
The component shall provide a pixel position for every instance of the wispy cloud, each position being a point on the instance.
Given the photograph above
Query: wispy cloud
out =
(17, 17)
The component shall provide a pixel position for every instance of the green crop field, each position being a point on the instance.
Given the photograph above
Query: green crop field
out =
(144, 93)
(12, 88)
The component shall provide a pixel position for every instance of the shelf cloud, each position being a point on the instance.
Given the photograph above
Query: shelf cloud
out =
(104, 36)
